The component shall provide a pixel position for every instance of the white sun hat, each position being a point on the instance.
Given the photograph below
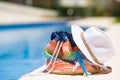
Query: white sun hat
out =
(93, 43)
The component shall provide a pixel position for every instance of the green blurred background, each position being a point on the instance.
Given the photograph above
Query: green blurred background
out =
(76, 7)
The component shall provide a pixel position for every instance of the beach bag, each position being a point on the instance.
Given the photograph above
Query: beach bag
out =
(64, 57)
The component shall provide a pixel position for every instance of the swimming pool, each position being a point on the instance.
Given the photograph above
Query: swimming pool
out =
(22, 45)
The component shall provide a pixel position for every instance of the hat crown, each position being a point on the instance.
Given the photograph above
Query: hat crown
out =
(99, 43)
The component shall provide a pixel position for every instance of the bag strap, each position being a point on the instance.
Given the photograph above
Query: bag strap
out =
(81, 62)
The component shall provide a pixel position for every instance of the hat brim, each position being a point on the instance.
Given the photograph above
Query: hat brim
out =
(76, 33)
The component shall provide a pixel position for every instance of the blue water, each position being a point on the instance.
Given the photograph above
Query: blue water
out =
(22, 45)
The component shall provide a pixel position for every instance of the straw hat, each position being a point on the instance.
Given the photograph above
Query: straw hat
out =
(93, 43)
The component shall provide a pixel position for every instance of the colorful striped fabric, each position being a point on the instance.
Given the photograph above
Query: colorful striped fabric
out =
(67, 54)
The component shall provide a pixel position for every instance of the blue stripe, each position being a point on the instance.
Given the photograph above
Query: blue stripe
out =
(33, 25)
(79, 57)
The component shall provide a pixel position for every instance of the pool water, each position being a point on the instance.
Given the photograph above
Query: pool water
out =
(22, 46)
